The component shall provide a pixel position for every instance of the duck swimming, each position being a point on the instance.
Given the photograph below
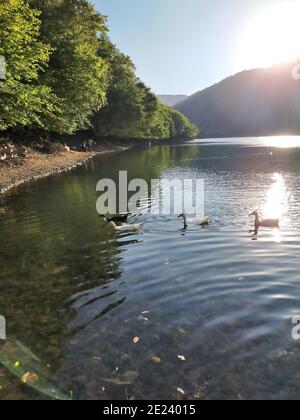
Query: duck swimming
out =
(198, 221)
(119, 218)
(126, 228)
(269, 223)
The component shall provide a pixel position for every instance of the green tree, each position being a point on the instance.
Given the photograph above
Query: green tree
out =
(24, 101)
(170, 124)
(76, 74)
(124, 101)
(63, 71)
(132, 110)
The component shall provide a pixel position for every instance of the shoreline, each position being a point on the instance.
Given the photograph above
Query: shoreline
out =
(38, 165)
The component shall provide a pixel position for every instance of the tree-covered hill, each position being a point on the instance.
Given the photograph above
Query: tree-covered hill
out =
(63, 75)
(259, 102)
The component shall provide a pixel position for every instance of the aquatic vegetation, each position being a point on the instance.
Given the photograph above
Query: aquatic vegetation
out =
(29, 369)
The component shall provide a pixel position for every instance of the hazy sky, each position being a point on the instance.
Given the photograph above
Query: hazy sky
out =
(181, 46)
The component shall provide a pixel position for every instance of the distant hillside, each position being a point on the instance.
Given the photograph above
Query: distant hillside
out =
(171, 100)
(251, 103)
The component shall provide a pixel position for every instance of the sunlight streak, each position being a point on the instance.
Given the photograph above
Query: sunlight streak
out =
(282, 142)
(276, 205)
(277, 198)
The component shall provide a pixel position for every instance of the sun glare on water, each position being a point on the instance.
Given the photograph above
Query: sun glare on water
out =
(276, 205)
(272, 37)
(281, 142)
(277, 198)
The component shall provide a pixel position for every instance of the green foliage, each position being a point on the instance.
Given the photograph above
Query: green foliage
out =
(133, 111)
(127, 98)
(63, 73)
(24, 101)
(170, 124)
(76, 74)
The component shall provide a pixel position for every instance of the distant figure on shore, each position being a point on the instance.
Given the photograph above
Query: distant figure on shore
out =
(90, 145)
(84, 146)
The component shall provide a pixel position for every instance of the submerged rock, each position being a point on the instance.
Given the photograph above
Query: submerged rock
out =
(126, 379)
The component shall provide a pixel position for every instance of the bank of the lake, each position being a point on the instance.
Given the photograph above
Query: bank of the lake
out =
(36, 165)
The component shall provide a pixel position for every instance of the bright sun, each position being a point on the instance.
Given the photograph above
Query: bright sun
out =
(273, 37)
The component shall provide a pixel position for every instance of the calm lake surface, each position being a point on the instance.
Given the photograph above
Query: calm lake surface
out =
(76, 294)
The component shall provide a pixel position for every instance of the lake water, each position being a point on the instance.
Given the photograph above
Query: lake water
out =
(76, 294)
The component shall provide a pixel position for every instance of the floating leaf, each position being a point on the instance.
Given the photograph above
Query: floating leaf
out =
(126, 379)
(59, 270)
(143, 319)
(181, 330)
(156, 360)
(29, 378)
(182, 358)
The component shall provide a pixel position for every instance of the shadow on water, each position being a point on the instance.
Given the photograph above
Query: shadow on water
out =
(211, 308)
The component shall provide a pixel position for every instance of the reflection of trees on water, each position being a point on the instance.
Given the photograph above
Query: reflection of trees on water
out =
(52, 267)
(52, 251)
(66, 294)
(60, 260)
(55, 247)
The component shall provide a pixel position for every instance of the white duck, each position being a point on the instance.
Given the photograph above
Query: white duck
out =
(126, 228)
(198, 221)
(269, 223)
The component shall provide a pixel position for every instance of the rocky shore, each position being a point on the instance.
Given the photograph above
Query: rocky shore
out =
(22, 166)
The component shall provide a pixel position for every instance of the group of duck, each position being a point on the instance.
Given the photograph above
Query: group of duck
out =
(197, 221)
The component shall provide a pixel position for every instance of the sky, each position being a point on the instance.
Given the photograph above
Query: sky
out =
(181, 46)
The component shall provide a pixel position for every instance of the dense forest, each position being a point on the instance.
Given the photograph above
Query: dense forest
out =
(64, 75)
(261, 102)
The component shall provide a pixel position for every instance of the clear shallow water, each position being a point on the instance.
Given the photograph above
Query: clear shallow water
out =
(77, 295)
